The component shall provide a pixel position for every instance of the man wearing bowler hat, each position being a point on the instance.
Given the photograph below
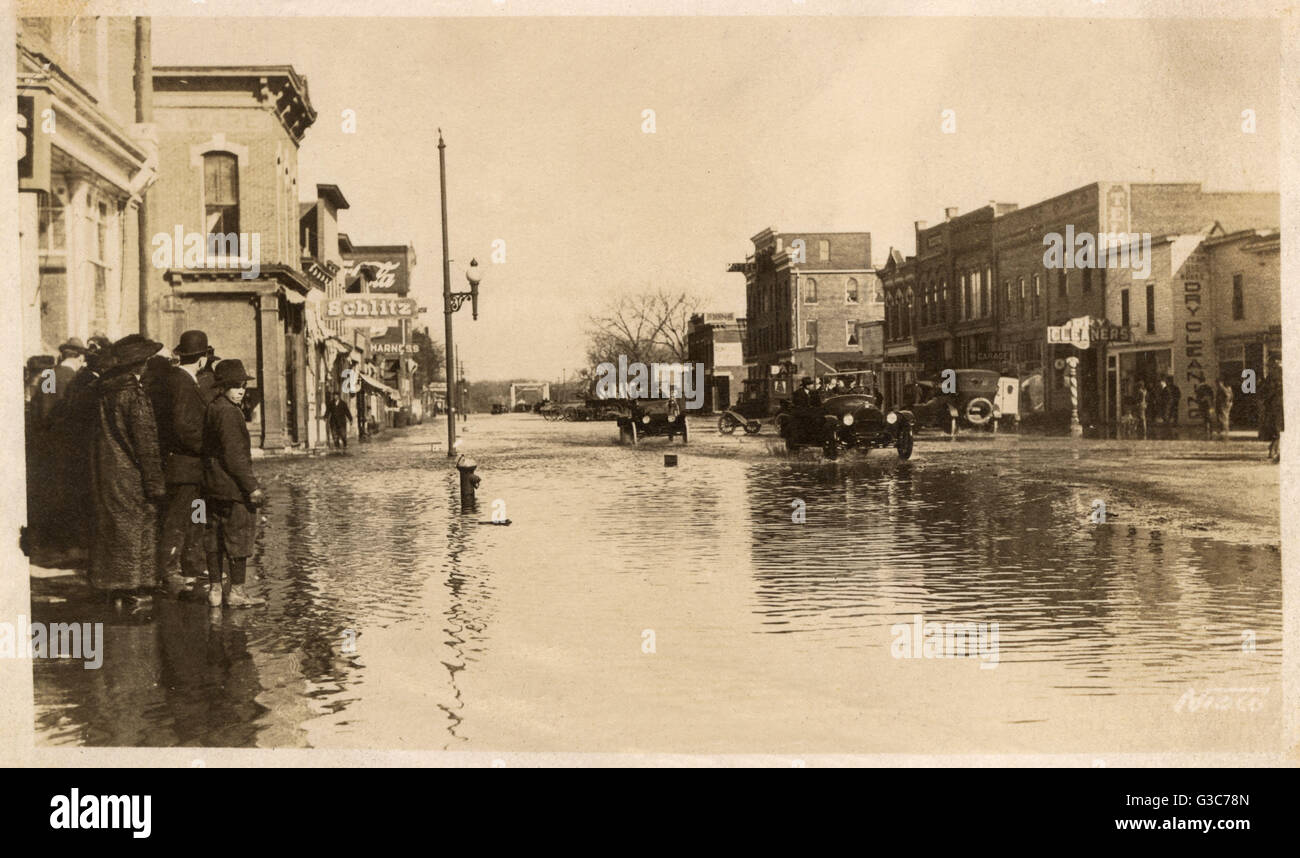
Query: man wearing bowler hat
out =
(229, 488)
(180, 413)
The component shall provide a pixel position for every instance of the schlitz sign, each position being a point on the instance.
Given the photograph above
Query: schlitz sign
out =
(369, 308)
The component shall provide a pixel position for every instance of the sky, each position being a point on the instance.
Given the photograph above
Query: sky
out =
(799, 124)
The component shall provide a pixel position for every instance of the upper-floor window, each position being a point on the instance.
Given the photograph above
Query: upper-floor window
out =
(221, 193)
(824, 250)
(1038, 294)
(1008, 301)
(1124, 317)
(1151, 308)
(53, 233)
(810, 291)
(1062, 283)
(943, 301)
(1238, 298)
(810, 332)
(986, 294)
(1087, 280)
(851, 291)
(851, 332)
(964, 311)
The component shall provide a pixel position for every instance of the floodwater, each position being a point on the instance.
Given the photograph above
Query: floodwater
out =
(633, 607)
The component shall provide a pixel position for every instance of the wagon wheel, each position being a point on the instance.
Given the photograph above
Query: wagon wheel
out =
(726, 424)
(905, 442)
(753, 427)
(570, 415)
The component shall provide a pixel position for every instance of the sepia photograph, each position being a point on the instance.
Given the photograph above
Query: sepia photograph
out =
(783, 384)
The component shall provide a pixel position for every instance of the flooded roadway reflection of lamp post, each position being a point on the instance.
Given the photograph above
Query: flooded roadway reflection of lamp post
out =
(452, 301)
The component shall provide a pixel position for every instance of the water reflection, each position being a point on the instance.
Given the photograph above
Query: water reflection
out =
(396, 620)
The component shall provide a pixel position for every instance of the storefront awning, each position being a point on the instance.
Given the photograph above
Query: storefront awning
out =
(379, 386)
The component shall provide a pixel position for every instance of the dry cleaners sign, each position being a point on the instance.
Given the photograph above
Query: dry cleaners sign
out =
(1083, 331)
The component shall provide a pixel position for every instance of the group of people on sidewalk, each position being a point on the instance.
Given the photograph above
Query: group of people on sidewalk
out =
(144, 464)
(1153, 411)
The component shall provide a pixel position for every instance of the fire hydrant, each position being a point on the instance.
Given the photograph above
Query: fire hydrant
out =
(469, 481)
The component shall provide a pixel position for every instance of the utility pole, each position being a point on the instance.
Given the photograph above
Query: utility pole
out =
(446, 302)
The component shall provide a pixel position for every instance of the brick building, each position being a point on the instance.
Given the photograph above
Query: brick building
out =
(1211, 308)
(979, 293)
(228, 167)
(940, 307)
(85, 163)
(716, 340)
(805, 294)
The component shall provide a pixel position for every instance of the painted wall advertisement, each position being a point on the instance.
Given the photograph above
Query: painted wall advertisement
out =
(381, 269)
(1193, 355)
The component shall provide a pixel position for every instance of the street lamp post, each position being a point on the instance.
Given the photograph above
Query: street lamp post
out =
(452, 301)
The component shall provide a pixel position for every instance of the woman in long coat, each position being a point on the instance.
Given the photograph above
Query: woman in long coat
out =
(126, 480)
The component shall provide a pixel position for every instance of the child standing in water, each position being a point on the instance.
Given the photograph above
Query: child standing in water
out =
(230, 490)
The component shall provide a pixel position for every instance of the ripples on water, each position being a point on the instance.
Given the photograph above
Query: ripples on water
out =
(531, 636)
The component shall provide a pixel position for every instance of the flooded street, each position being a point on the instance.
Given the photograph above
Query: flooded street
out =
(633, 607)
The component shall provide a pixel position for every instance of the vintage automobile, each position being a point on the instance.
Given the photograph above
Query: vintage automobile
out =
(982, 398)
(846, 422)
(643, 418)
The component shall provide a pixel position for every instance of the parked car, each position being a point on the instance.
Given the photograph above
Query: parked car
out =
(643, 418)
(981, 399)
(498, 408)
(846, 422)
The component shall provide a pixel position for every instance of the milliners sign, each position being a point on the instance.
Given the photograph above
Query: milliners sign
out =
(1082, 331)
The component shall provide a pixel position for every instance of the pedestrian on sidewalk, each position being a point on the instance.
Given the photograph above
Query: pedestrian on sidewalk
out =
(339, 417)
(180, 438)
(1205, 396)
(74, 430)
(1174, 404)
(230, 490)
(1143, 407)
(206, 377)
(126, 482)
(1223, 397)
(1271, 416)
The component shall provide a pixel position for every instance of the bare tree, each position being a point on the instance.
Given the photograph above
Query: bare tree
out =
(648, 327)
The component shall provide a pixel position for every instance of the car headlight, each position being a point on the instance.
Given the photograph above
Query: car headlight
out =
(848, 419)
(891, 417)
(645, 419)
(672, 418)
(997, 414)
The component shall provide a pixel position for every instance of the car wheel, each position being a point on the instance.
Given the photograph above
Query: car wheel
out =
(905, 442)
(753, 427)
(635, 434)
(726, 425)
(686, 433)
